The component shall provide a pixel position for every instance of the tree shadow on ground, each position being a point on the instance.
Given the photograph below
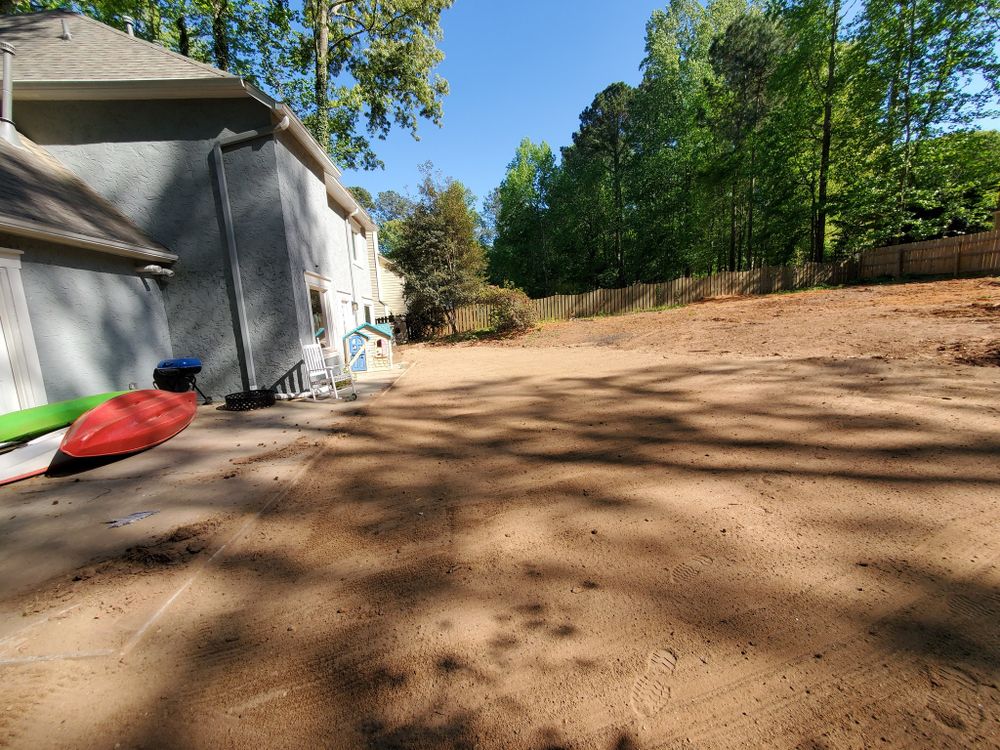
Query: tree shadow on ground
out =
(499, 560)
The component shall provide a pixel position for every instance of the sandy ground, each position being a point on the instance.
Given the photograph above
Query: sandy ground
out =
(768, 522)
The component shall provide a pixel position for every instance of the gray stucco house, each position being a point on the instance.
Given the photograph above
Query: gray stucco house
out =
(154, 206)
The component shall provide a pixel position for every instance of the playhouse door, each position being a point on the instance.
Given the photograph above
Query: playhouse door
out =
(356, 344)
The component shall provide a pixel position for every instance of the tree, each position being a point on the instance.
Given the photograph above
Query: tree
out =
(521, 249)
(370, 60)
(811, 85)
(744, 58)
(604, 136)
(439, 254)
(912, 66)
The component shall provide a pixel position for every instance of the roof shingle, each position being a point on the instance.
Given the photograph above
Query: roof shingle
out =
(39, 193)
(95, 52)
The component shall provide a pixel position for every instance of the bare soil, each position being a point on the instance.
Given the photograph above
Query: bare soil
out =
(765, 522)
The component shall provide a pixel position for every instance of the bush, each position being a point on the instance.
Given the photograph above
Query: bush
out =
(510, 309)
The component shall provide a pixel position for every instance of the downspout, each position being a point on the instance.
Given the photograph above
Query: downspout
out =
(7, 130)
(250, 371)
(378, 270)
(350, 260)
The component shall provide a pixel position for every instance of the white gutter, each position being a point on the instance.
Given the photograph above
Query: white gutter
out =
(157, 88)
(230, 232)
(350, 259)
(74, 239)
(378, 268)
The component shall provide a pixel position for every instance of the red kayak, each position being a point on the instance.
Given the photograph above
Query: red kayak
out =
(129, 423)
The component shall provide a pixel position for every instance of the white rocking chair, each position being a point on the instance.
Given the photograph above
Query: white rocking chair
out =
(322, 375)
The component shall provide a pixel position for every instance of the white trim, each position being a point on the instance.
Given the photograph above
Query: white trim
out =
(132, 89)
(20, 338)
(319, 279)
(322, 285)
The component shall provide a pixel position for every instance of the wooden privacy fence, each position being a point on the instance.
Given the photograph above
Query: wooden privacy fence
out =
(969, 254)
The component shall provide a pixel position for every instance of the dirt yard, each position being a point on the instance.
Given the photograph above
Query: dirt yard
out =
(771, 522)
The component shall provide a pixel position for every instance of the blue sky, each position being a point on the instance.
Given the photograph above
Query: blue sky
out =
(516, 69)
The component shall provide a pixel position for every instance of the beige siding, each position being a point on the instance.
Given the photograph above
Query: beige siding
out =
(392, 289)
(373, 274)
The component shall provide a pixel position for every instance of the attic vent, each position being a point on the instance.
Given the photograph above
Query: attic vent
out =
(65, 35)
(129, 25)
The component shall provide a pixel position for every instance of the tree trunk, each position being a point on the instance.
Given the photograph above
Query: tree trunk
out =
(153, 21)
(732, 225)
(452, 320)
(321, 56)
(751, 199)
(824, 158)
(619, 216)
(183, 37)
(907, 114)
(220, 34)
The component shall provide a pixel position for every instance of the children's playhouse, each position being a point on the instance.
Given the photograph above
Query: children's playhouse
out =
(369, 347)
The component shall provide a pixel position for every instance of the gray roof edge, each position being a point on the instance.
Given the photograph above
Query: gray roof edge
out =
(34, 230)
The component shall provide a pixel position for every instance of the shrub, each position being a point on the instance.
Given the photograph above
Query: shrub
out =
(510, 309)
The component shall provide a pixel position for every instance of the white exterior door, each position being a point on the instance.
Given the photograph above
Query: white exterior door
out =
(346, 316)
(9, 399)
(20, 374)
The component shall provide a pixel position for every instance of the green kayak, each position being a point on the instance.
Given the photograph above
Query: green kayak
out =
(21, 425)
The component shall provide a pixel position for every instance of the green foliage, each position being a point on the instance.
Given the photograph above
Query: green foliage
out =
(764, 132)
(439, 255)
(511, 309)
(521, 248)
(361, 67)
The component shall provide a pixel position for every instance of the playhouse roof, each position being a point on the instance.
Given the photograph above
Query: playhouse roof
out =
(368, 329)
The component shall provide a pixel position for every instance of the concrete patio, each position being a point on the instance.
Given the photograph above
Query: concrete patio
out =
(225, 464)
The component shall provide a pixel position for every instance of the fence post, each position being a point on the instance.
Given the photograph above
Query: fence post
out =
(958, 256)
(899, 261)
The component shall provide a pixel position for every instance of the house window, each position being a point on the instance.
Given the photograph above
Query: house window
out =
(358, 246)
(320, 319)
(368, 313)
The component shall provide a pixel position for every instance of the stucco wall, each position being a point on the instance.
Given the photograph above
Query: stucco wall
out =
(97, 325)
(316, 235)
(255, 198)
(152, 160)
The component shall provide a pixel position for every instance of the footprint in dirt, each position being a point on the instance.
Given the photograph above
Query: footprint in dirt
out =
(689, 569)
(651, 691)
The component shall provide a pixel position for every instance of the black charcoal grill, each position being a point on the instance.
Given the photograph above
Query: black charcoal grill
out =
(178, 376)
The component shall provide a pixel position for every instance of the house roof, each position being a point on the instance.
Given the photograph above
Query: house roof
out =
(97, 52)
(387, 264)
(367, 329)
(40, 198)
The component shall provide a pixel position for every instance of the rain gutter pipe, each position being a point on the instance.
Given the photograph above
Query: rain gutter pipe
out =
(250, 371)
(350, 261)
